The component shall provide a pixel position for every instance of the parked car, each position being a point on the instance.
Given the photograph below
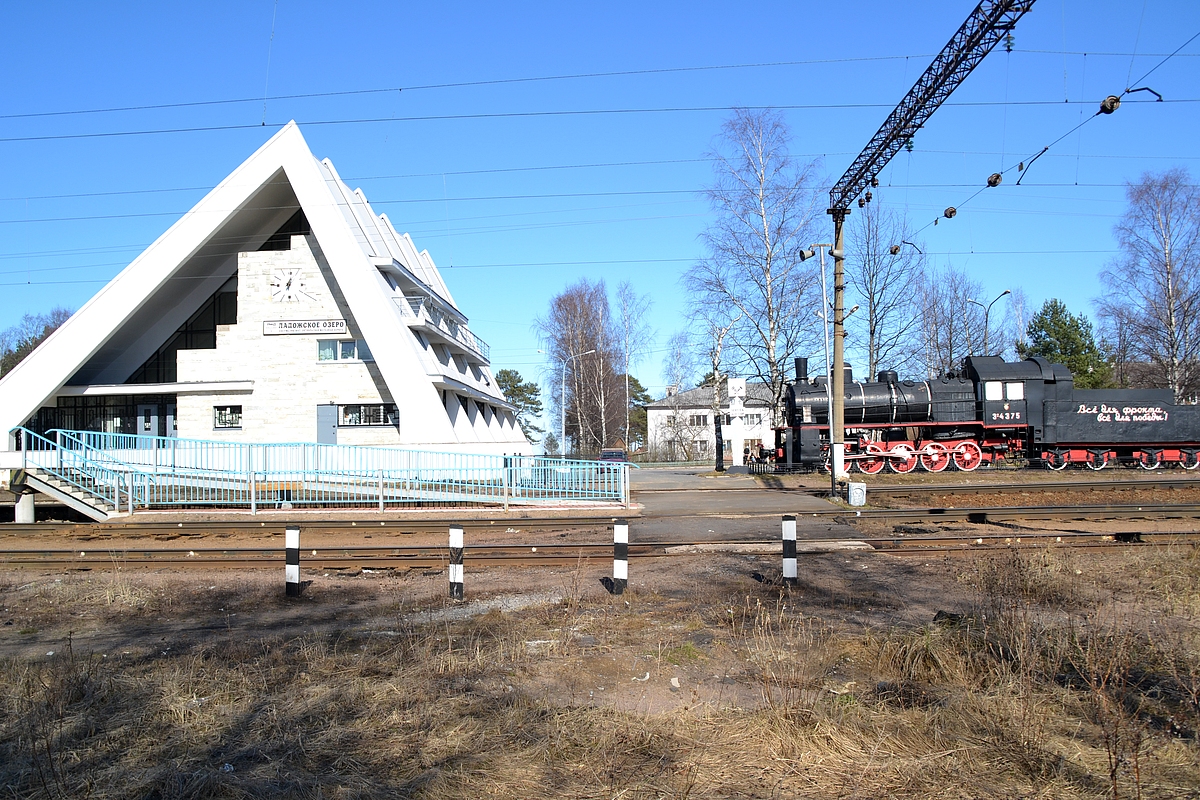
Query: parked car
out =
(614, 454)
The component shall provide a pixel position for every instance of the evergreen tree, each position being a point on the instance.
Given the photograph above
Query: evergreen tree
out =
(1065, 338)
(525, 395)
(638, 398)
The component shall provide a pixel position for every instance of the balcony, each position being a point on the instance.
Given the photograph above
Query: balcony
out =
(419, 311)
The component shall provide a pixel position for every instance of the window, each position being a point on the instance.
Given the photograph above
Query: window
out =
(698, 420)
(343, 350)
(227, 416)
(1015, 391)
(754, 420)
(367, 414)
(993, 390)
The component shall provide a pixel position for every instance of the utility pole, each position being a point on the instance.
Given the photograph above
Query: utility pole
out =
(984, 28)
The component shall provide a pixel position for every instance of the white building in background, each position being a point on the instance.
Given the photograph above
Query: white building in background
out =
(281, 308)
(680, 426)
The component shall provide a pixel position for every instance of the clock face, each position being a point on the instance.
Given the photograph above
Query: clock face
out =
(288, 286)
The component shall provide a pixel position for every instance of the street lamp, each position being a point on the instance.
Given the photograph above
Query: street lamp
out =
(563, 400)
(987, 312)
(837, 456)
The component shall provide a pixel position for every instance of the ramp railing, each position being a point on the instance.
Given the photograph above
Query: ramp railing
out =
(173, 472)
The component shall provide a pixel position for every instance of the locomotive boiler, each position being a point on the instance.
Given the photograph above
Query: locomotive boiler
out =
(989, 411)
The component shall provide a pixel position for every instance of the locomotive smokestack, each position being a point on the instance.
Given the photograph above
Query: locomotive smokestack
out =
(801, 369)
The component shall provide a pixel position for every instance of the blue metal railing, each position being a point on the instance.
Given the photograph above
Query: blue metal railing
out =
(164, 472)
(94, 473)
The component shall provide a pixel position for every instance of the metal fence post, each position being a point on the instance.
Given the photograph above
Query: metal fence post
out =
(253, 498)
(291, 559)
(506, 481)
(620, 556)
(789, 549)
(129, 476)
(456, 562)
(381, 490)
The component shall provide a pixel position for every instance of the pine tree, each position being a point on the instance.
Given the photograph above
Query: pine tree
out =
(1065, 338)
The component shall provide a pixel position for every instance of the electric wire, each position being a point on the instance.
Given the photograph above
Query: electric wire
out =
(1024, 164)
(454, 85)
(593, 112)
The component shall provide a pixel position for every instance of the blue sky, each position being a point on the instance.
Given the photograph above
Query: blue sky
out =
(515, 208)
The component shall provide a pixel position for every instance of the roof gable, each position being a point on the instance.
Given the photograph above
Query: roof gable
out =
(131, 315)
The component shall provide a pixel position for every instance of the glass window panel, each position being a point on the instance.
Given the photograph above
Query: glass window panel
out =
(347, 350)
(326, 350)
(364, 352)
(1016, 391)
(993, 390)
(227, 416)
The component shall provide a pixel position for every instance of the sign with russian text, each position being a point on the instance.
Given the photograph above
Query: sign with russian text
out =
(282, 327)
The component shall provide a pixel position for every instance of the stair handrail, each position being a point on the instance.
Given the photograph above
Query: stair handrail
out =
(101, 476)
(95, 453)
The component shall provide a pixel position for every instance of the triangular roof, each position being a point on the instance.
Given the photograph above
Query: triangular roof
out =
(186, 264)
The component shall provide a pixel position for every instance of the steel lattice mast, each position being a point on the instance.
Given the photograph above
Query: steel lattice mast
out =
(984, 28)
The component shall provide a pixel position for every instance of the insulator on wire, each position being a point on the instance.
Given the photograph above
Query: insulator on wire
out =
(868, 197)
(994, 179)
(894, 249)
(1110, 104)
(950, 212)
(874, 181)
(1021, 167)
(1008, 43)
(909, 145)
(862, 203)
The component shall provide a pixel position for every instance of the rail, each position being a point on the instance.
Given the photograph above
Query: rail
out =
(167, 472)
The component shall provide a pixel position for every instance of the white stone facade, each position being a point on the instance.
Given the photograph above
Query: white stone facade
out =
(427, 379)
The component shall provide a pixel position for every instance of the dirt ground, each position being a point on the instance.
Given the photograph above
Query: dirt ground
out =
(1045, 673)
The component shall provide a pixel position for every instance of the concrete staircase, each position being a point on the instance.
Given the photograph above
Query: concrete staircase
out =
(90, 503)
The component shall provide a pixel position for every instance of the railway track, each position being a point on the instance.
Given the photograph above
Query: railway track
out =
(161, 529)
(425, 558)
(905, 490)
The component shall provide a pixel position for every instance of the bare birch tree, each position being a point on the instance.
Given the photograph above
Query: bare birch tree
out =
(578, 335)
(764, 206)
(635, 336)
(717, 331)
(886, 273)
(1152, 289)
(951, 327)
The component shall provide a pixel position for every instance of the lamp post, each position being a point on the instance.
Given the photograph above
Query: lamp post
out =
(563, 399)
(836, 454)
(987, 312)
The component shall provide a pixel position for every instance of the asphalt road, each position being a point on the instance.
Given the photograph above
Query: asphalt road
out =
(695, 504)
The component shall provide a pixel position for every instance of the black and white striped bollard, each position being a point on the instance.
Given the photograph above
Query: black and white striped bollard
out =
(456, 562)
(789, 549)
(620, 556)
(292, 561)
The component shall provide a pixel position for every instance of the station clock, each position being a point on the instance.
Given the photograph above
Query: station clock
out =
(288, 286)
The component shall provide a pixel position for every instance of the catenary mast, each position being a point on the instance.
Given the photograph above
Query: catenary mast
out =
(990, 22)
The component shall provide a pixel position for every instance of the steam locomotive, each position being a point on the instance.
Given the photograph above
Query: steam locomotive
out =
(988, 412)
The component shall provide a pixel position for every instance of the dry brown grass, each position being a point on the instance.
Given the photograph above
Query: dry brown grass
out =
(1058, 678)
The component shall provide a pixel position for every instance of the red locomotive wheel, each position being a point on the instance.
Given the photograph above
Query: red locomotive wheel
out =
(935, 457)
(903, 460)
(1149, 460)
(1055, 459)
(967, 456)
(1098, 461)
(1189, 459)
(874, 462)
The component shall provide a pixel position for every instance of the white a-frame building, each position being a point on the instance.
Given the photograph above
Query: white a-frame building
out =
(281, 308)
